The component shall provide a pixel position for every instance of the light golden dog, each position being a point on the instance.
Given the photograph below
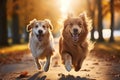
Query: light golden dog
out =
(73, 45)
(41, 41)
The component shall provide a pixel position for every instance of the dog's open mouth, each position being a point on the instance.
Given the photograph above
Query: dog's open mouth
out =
(75, 36)
(40, 37)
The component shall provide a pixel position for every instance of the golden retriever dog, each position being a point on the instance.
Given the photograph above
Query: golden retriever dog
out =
(41, 41)
(73, 44)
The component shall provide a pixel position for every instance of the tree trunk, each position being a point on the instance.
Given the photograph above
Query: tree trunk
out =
(3, 23)
(15, 25)
(26, 18)
(112, 21)
(92, 14)
(26, 36)
(100, 26)
(93, 25)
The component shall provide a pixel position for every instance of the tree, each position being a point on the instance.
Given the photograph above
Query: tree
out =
(112, 20)
(15, 24)
(3, 23)
(26, 16)
(91, 10)
(100, 26)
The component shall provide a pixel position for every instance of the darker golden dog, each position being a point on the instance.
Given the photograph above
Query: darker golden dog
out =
(73, 45)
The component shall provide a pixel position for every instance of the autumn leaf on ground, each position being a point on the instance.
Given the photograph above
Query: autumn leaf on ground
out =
(23, 74)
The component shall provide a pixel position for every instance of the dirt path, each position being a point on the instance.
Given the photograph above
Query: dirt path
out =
(92, 69)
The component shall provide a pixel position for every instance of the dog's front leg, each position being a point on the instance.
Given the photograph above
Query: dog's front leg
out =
(67, 61)
(47, 64)
(79, 64)
(37, 63)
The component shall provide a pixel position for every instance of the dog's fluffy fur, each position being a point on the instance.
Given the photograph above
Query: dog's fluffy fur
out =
(41, 41)
(73, 45)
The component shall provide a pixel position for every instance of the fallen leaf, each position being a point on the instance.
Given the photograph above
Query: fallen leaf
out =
(109, 64)
(88, 75)
(92, 79)
(23, 74)
(85, 70)
(95, 63)
(92, 67)
(98, 72)
(56, 64)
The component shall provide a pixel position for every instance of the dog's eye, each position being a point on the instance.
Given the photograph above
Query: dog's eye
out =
(43, 26)
(36, 26)
(79, 24)
(71, 24)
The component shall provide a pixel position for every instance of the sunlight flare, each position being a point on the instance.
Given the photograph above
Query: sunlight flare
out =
(65, 4)
(65, 7)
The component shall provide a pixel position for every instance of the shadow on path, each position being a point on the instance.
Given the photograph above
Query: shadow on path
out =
(71, 77)
(37, 77)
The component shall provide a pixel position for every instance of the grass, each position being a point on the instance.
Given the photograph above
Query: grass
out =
(108, 50)
(13, 54)
(108, 47)
(111, 47)
(13, 48)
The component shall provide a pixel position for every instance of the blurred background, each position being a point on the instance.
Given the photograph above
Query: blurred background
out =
(16, 14)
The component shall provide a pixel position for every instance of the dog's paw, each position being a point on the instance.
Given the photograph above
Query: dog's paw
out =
(77, 68)
(46, 68)
(68, 66)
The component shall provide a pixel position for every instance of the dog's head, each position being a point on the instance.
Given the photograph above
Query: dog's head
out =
(39, 27)
(76, 26)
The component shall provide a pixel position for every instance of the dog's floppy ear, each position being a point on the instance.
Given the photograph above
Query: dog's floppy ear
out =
(30, 25)
(83, 16)
(49, 24)
(67, 21)
(87, 22)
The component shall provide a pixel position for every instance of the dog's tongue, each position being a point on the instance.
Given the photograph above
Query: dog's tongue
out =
(40, 37)
(75, 37)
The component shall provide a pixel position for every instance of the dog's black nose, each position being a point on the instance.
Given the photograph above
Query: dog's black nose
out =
(75, 30)
(40, 31)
